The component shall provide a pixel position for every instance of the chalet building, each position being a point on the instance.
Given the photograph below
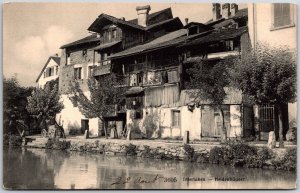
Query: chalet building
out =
(150, 55)
(90, 56)
(155, 73)
(49, 72)
(274, 24)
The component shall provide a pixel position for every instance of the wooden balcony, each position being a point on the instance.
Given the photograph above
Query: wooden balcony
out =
(102, 70)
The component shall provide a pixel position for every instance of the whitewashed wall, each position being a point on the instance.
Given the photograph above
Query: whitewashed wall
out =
(43, 80)
(71, 117)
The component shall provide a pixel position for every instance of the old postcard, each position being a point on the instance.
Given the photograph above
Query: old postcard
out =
(149, 96)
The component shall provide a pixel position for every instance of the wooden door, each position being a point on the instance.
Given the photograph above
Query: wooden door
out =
(207, 122)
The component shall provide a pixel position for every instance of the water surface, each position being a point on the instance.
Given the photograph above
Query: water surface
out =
(50, 169)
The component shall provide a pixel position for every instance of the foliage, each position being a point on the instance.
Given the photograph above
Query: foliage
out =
(189, 151)
(259, 160)
(44, 104)
(216, 155)
(130, 149)
(150, 124)
(14, 105)
(55, 143)
(288, 161)
(208, 82)
(292, 134)
(104, 95)
(75, 131)
(12, 140)
(266, 75)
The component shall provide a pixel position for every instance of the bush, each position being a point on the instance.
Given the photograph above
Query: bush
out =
(216, 155)
(130, 149)
(12, 140)
(259, 160)
(239, 152)
(75, 131)
(57, 144)
(287, 162)
(150, 124)
(189, 151)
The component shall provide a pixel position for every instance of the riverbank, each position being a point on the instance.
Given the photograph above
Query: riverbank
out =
(250, 154)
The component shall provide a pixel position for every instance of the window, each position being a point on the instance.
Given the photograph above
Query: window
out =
(282, 15)
(77, 73)
(68, 59)
(90, 71)
(114, 34)
(49, 72)
(175, 118)
(109, 35)
(84, 53)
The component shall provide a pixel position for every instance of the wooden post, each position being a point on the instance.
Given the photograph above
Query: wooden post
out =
(186, 138)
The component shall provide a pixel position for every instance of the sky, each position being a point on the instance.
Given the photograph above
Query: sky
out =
(34, 31)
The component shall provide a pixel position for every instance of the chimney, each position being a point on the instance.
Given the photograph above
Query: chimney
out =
(143, 12)
(122, 18)
(186, 21)
(216, 11)
(226, 10)
(233, 9)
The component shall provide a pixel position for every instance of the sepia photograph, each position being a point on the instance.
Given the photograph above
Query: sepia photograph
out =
(147, 95)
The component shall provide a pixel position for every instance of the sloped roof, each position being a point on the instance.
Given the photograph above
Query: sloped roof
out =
(153, 17)
(218, 35)
(106, 45)
(172, 21)
(56, 59)
(104, 18)
(158, 42)
(88, 39)
(154, 20)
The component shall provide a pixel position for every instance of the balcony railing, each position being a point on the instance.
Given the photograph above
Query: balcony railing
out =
(104, 62)
(101, 70)
(150, 78)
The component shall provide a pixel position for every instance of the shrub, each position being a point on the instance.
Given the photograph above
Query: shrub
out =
(253, 161)
(216, 155)
(189, 151)
(150, 124)
(75, 131)
(259, 160)
(12, 140)
(130, 149)
(287, 162)
(202, 158)
(239, 152)
(57, 144)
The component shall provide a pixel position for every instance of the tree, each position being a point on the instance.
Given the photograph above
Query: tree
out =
(105, 94)
(267, 75)
(14, 106)
(208, 82)
(44, 104)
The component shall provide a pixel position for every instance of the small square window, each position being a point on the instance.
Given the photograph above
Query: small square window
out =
(176, 118)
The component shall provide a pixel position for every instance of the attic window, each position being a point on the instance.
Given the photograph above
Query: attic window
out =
(84, 53)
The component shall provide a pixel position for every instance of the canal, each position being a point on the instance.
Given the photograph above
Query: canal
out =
(50, 169)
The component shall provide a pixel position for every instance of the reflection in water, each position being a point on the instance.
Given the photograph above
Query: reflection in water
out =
(46, 169)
